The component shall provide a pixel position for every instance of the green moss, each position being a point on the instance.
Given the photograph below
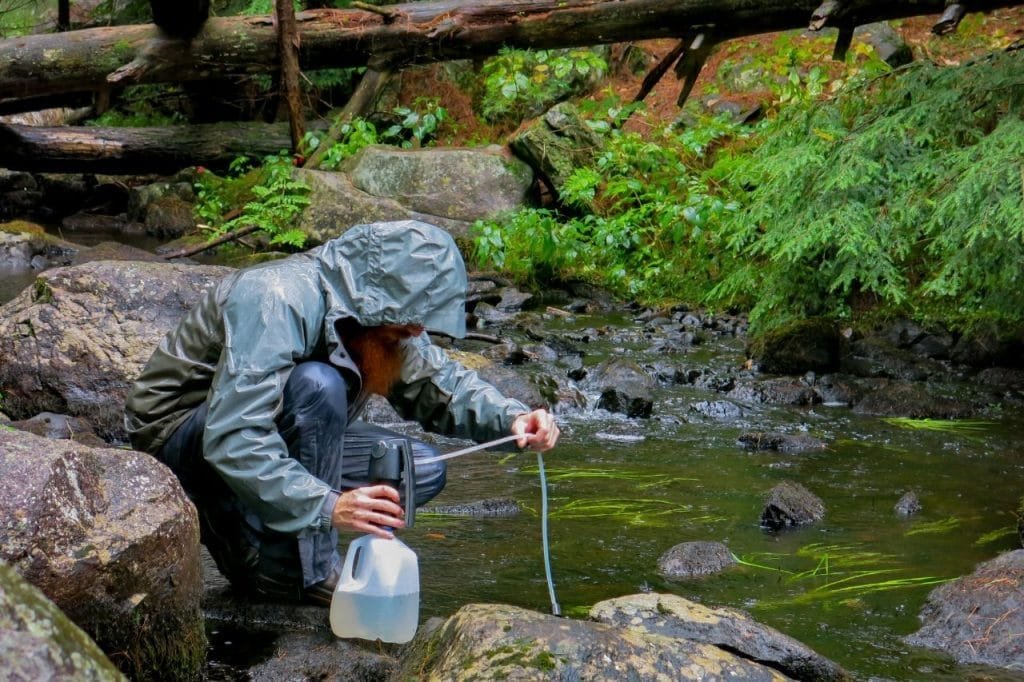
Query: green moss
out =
(21, 227)
(41, 291)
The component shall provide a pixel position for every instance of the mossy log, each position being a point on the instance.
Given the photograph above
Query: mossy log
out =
(420, 32)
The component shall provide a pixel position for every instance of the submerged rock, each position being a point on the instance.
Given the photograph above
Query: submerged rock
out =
(908, 505)
(915, 400)
(624, 387)
(784, 442)
(495, 507)
(693, 559)
(979, 618)
(727, 629)
(791, 504)
(802, 346)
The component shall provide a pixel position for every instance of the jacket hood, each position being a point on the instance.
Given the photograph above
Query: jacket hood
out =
(402, 272)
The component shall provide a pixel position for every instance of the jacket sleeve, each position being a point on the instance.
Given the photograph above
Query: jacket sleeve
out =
(266, 331)
(445, 397)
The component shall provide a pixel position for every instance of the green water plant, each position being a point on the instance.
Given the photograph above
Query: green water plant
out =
(934, 527)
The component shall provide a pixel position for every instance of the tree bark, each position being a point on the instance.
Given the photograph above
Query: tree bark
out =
(288, 45)
(136, 150)
(420, 32)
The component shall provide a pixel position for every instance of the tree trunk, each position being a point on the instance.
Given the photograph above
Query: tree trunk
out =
(397, 35)
(136, 150)
(288, 44)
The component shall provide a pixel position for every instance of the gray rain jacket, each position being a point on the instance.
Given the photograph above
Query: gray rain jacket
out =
(239, 343)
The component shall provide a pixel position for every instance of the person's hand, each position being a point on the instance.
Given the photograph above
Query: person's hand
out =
(368, 510)
(538, 430)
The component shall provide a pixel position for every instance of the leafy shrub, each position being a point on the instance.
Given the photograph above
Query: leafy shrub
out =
(904, 193)
(518, 84)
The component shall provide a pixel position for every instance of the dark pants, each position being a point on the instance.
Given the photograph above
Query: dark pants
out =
(314, 424)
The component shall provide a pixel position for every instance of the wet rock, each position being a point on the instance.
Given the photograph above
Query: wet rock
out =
(990, 345)
(839, 391)
(500, 642)
(783, 442)
(19, 193)
(1020, 522)
(717, 409)
(38, 642)
(114, 251)
(75, 341)
(143, 198)
(778, 391)
(110, 537)
(805, 345)
(908, 505)
(876, 357)
(24, 245)
(624, 387)
(711, 379)
(978, 618)
(693, 559)
(321, 656)
(495, 507)
(728, 629)
(791, 504)
(1002, 378)
(61, 426)
(97, 223)
(915, 400)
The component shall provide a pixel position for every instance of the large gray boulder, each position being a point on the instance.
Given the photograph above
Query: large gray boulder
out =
(38, 642)
(110, 537)
(73, 342)
(501, 642)
(335, 205)
(728, 629)
(457, 184)
(979, 618)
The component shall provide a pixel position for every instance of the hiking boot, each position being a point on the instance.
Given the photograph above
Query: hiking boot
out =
(321, 593)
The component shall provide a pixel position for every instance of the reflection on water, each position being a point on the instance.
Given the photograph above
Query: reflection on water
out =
(13, 280)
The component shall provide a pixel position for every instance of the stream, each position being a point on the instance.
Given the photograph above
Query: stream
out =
(624, 491)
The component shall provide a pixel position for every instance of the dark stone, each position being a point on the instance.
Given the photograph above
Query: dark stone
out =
(801, 346)
(778, 391)
(624, 387)
(791, 504)
(876, 357)
(915, 400)
(978, 618)
(783, 442)
(169, 217)
(61, 426)
(693, 559)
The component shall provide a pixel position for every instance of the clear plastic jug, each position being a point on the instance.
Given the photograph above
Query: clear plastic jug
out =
(378, 594)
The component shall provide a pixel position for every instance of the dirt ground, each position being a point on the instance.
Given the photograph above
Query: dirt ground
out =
(978, 33)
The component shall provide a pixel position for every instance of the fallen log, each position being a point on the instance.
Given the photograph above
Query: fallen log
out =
(137, 150)
(413, 33)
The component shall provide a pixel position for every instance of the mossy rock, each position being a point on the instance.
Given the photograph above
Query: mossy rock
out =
(22, 227)
(802, 346)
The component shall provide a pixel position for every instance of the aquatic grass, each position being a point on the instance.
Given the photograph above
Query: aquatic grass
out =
(934, 527)
(994, 535)
(962, 427)
(633, 512)
(841, 590)
(642, 481)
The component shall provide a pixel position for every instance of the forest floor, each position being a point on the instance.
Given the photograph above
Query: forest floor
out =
(977, 34)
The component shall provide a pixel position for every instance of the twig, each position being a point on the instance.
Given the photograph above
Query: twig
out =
(227, 237)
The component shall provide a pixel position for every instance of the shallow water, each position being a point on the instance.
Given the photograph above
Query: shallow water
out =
(622, 492)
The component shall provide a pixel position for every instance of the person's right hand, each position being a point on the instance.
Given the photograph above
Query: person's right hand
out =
(368, 510)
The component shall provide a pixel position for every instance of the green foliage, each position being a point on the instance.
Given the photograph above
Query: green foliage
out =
(273, 199)
(904, 192)
(415, 126)
(642, 230)
(518, 84)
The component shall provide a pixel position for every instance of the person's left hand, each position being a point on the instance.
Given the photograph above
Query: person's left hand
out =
(538, 430)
